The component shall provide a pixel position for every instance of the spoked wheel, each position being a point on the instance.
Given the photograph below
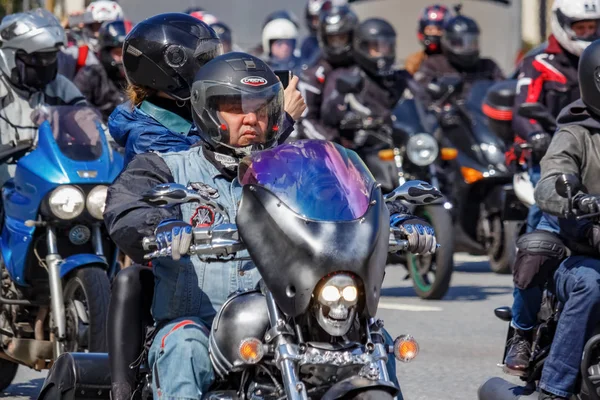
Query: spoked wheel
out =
(501, 244)
(431, 273)
(86, 296)
(8, 370)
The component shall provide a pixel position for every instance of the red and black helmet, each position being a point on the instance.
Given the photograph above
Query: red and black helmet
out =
(436, 15)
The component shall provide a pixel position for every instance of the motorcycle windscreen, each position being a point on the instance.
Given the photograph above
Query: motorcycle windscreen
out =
(310, 209)
(76, 130)
(317, 179)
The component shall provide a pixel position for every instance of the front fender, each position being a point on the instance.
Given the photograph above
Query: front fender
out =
(352, 386)
(79, 260)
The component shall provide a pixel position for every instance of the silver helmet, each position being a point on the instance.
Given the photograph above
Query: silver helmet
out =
(35, 31)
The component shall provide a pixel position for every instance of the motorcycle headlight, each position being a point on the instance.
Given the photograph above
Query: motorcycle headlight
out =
(493, 154)
(96, 201)
(336, 304)
(66, 202)
(422, 149)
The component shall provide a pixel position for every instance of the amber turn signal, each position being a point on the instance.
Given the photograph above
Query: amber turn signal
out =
(448, 153)
(406, 348)
(251, 350)
(471, 175)
(386, 155)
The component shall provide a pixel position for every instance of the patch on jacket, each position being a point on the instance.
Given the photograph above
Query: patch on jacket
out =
(204, 190)
(203, 217)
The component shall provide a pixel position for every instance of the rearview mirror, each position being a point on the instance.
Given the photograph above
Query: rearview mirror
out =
(567, 185)
(416, 192)
(349, 84)
(539, 113)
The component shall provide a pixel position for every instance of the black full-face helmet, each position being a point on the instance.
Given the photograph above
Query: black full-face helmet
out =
(375, 47)
(164, 52)
(242, 84)
(460, 42)
(335, 32)
(111, 36)
(589, 77)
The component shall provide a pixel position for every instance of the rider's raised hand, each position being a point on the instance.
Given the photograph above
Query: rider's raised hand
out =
(174, 235)
(293, 101)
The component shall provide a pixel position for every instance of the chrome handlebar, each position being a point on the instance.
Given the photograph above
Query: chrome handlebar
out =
(224, 240)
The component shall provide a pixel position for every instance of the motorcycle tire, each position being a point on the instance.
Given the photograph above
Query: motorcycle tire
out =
(8, 370)
(441, 220)
(91, 286)
(502, 261)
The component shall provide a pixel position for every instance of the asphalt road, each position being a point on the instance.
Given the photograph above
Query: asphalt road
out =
(460, 339)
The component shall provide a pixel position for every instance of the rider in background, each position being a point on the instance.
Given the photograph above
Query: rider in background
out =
(335, 34)
(430, 31)
(279, 39)
(29, 64)
(460, 56)
(104, 84)
(309, 50)
(550, 78)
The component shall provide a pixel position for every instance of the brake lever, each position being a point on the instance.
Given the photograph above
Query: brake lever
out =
(587, 216)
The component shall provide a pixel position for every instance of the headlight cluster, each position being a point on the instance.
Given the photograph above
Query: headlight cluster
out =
(68, 202)
(422, 149)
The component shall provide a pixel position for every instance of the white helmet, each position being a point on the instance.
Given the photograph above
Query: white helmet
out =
(104, 10)
(567, 12)
(28, 32)
(279, 28)
(203, 16)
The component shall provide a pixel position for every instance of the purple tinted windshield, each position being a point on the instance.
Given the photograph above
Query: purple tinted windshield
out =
(318, 179)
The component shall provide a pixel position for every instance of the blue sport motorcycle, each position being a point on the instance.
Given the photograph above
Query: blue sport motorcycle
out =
(56, 254)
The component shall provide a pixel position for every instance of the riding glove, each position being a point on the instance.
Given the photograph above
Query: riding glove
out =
(418, 232)
(174, 236)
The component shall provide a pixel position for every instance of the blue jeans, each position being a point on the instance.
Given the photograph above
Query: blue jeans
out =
(577, 288)
(535, 214)
(181, 367)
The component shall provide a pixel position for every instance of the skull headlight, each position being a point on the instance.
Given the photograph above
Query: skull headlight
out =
(336, 304)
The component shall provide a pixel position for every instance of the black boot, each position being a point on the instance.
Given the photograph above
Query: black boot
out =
(549, 396)
(519, 352)
(120, 391)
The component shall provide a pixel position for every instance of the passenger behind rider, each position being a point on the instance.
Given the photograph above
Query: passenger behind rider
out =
(460, 57)
(430, 31)
(575, 149)
(335, 36)
(234, 120)
(549, 78)
(104, 84)
(161, 121)
(30, 45)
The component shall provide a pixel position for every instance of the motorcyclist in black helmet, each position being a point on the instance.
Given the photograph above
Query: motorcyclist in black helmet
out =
(224, 33)
(335, 35)
(374, 50)
(309, 50)
(104, 84)
(161, 55)
(460, 56)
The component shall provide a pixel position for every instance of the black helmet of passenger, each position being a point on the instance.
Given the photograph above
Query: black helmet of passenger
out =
(375, 47)
(335, 34)
(165, 51)
(589, 77)
(224, 33)
(242, 84)
(460, 42)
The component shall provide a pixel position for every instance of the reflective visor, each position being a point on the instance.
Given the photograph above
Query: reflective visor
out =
(317, 179)
(465, 43)
(39, 58)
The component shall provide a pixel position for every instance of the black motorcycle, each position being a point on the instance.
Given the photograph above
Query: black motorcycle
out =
(547, 320)
(398, 149)
(309, 329)
(478, 174)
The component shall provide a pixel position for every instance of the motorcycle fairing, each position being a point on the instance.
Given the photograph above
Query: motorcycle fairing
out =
(293, 253)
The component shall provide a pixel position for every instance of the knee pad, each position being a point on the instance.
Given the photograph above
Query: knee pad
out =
(539, 254)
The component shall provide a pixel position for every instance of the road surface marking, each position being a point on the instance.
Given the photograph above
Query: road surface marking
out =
(407, 307)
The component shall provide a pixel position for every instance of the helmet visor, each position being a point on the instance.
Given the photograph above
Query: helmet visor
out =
(465, 43)
(39, 58)
(338, 40)
(380, 47)
(243, 117)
